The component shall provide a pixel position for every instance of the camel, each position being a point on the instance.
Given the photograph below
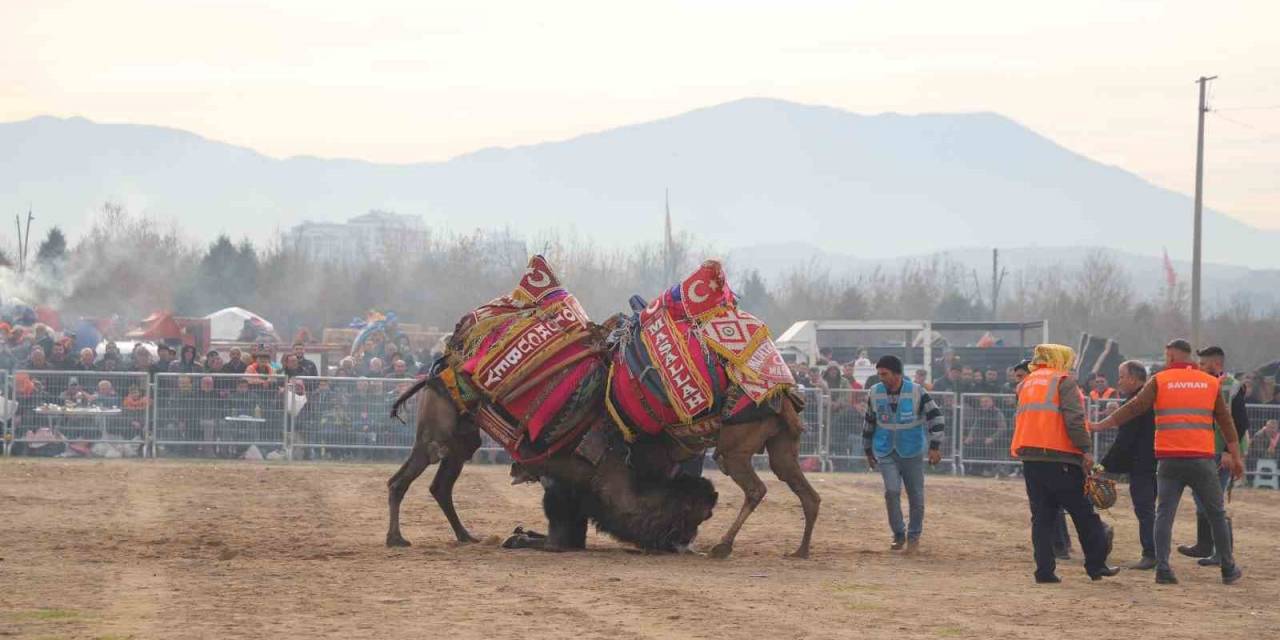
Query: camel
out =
(775, 430)
(653, 513)
(668, 344)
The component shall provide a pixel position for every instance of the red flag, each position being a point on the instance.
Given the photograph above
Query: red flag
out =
(1170, 276)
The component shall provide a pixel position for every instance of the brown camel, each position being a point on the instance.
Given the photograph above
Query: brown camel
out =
(778, 433)
(652, 513)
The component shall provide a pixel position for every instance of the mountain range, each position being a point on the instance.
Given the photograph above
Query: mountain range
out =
(741, 174)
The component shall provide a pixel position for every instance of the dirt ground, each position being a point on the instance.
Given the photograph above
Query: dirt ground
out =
(147, 549)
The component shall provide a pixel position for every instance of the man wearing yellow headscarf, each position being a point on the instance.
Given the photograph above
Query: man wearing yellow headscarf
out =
(1051, 440)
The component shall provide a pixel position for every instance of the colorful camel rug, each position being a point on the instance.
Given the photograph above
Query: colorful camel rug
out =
(527, 364)
(692, 356)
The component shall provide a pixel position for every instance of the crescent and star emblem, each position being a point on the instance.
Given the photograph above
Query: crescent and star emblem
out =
(693, 291)
(538, 278)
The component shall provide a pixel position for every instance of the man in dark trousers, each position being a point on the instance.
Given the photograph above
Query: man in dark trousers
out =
(1051, 441)
(1134, 453)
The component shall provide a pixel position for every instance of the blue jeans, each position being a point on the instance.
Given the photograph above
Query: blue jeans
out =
(898, 471)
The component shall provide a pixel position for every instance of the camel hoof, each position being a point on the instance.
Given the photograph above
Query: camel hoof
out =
(397, 541)
(721, 551)
(799, 554)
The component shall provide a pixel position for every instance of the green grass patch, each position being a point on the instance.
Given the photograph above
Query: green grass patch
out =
(854, 587)
(863, 606)
(45, 614)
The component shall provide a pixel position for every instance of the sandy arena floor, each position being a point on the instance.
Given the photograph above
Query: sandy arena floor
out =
(133, 549)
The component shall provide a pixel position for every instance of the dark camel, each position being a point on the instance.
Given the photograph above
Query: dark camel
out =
(778, 433)
(654, 514)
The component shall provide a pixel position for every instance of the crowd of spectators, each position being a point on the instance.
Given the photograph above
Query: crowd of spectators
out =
(220, 403)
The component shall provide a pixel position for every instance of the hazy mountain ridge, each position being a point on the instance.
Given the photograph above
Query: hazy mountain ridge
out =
(740, 173)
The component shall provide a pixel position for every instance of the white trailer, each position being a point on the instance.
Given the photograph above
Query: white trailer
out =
(805, 340)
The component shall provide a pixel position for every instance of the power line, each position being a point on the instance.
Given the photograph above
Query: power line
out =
(1257, 108)
(1267, 135)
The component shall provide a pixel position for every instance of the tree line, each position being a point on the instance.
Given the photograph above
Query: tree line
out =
(130, 265)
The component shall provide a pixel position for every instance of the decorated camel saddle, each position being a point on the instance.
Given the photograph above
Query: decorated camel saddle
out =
(690, 361)
(530, 367)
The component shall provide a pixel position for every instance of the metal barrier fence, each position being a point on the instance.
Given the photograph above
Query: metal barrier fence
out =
(1097, 410)
(350, 418)
(6, 433)
(79, 413)
(113, 414)
(1262, 459)
(219, 415)
(984, 422)
(817, 408)
(845, 421)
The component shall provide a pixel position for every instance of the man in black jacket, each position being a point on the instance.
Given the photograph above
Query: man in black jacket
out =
(1134, 453)
(308, 367)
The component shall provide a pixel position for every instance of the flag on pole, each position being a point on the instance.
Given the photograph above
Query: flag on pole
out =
(1170, 276)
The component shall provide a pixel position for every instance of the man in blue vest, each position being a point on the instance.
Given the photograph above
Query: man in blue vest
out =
(901, 419)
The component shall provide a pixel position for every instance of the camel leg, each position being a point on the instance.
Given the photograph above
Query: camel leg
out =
(419, 460)
(734, 447)
(464, 445)
(437, 419)
(567, 526)
(784, 460)
(738, 467)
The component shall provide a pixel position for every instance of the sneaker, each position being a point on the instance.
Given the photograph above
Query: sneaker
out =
(913, 547)
(1048, 579)
(1211, 561)
(898, 543)
(1147, 563)
(1165, 576)
(1231, 575)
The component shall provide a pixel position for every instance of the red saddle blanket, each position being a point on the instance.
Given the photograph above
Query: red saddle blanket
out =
(693, 355)
(527, 363)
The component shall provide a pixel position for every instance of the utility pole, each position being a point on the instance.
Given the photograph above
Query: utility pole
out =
(668, 268)
(17, 220)
(997, 278)
(24, 240)
(1195, 240)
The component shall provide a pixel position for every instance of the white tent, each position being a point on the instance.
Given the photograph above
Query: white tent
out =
(227, 323)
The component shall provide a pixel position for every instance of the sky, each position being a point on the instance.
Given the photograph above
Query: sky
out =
(406, 81)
